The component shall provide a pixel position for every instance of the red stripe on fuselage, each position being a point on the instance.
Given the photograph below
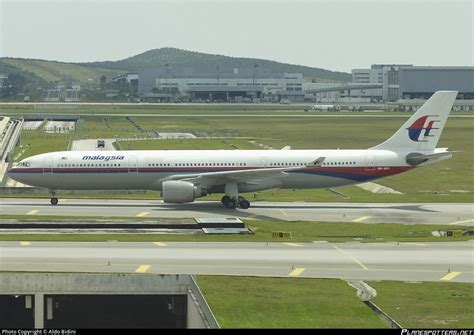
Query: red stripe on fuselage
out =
(376, 171)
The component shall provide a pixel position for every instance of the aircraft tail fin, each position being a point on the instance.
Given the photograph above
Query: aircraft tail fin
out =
(423, 129)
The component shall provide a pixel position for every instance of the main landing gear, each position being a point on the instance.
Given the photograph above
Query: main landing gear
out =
(54, 200)
(232, 203)
(232, 199)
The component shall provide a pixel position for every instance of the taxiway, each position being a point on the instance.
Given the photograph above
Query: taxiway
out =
(406, 213)
(434, 261)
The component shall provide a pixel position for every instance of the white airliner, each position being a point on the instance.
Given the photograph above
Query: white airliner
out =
(184, 175)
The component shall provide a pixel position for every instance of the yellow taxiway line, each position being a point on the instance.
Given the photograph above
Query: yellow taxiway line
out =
(283, 212)
(293, 244)
(160, 244)
(296, 272)
(361, 219)
(459, 222)
(24, 243)
(450, 276)
(32, 212)
(142, 214)
(142, 268)
(352, 257)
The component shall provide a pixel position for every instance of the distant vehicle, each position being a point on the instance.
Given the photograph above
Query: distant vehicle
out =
(285, 101)
(26, 99)
(247, 100)
(100, 144)
(183, 176)
(324, 107)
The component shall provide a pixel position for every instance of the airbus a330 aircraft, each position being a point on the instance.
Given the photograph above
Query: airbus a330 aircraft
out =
(185, 175)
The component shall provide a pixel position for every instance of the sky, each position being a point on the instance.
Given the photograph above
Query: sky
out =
(337, 35)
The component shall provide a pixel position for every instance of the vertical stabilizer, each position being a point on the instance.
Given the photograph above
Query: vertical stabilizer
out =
(423, 129)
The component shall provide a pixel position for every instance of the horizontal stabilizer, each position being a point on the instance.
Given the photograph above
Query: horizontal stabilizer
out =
(416, 159)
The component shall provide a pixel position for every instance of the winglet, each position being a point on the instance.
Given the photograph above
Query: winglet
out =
(318, 162)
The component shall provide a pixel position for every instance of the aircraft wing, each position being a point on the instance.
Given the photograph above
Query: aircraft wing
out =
(248, 175)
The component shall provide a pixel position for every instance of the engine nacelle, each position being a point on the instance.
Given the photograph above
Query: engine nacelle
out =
(177, 191)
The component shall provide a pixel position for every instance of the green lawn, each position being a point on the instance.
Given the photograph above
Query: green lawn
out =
(427, 305)
(35, 142)
(300, 232)
(56, 71)
(189, 144)
(249, 302)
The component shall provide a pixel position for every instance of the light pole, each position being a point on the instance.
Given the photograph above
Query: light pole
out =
(255, 66)
(166, 77)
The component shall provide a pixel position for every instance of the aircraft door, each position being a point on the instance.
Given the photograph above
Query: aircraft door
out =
(133, 164)
(370, 162)
(48, 165)
(264, 162)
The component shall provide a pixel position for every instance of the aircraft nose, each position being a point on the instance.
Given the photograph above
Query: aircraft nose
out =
(11, 173)
(18, 177)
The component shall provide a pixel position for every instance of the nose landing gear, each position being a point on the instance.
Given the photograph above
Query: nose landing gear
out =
(54, 200)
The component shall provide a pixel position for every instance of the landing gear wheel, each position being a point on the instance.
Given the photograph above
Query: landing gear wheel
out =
(230, 204)
(244, 204)
(54, 201)
(225, 199)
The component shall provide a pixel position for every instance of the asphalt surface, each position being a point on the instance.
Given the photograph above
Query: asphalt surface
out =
(230, 114)
(445, 261)
(91, 145)
(407, 213)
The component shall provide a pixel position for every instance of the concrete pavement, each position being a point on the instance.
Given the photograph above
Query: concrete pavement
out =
(439, 261)
(406, 213)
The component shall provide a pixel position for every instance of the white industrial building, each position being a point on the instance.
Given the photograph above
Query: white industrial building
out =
(128, 78)
(269, 85)
(343, 92)
(205, 82)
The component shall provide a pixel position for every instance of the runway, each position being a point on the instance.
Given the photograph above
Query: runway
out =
(406, 213)
(232, 114)
(445, 261)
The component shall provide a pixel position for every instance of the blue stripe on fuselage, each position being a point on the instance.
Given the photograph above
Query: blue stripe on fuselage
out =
(335, 174)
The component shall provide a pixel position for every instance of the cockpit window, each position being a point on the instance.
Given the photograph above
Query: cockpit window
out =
(23, 164)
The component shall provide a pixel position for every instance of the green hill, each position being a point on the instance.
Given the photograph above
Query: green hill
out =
(30, 77)
(59, 72)
(51, 71)
(197, 60)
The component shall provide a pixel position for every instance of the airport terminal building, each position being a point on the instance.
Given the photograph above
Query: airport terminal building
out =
(406, 81)
(419, 82)
(216, 84)
(381, 83)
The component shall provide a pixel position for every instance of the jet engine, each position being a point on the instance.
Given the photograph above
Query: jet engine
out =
(177, 191)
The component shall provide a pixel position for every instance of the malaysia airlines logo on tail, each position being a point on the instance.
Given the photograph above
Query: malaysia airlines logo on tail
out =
(421, 128)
